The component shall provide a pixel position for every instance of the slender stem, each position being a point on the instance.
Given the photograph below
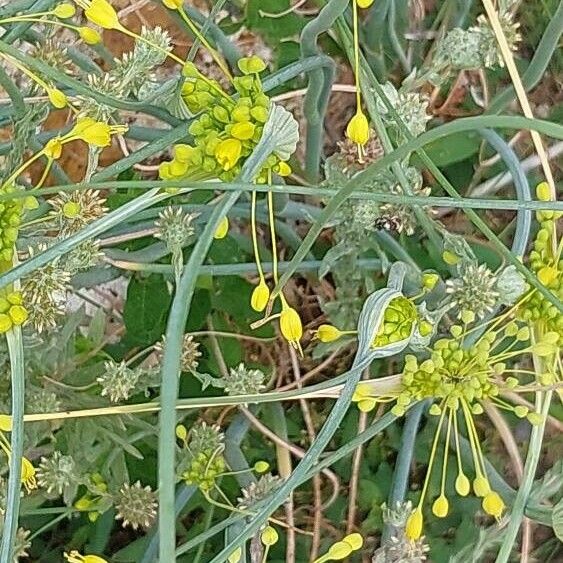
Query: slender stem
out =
(543, 400)
(10, 527)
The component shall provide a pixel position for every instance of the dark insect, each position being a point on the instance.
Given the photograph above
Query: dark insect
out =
(388, 223)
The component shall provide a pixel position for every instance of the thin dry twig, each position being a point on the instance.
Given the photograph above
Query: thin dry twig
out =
(317, 497)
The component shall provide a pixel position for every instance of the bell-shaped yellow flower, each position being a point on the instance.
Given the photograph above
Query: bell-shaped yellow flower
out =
(173, 4)
(441, 506)
(328, 333)
(28, 475)
(54, 148)
(493, 504)
(413, 527)
(260, 296)
(102, 13)
(57, 98)
(64, 11)
(222, 229)
(89, 35)
(364, 3)
(358, 128)
(290, 326)
(228, 153)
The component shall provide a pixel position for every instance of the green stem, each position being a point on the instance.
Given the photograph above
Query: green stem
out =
(532, 459)
(10, 527)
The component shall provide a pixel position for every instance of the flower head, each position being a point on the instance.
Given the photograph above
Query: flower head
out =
(228, 153)
(89, 35)
(260, 296)
(357, 129)
(136, 505)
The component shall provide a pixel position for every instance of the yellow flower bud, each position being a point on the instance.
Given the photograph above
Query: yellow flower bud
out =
(367, 405)
(413, 527)
(235, 556)
(358, 128)
(261, 466)
(181, 432)
(228, 153)
(355, 541)
(284, 169)
(30, 202)
(174, 5)
(429, 280)
(251, 65)
(328, 333)
(544, 349)
(57, 98)
(64, 11)
(440, 507)
(243, 131)
(435, 410)
(5, 323)
(339, 550)
(493, 504)
(481, 486)
(547, 275)
(89, 35)
(425, 328)
(290, 326)
(364, 3)
(71, 209)
(450, 258)
(260, 296)
(462, 485)
(5, 423)
(521, 411)
(534, 418)
(54, 148)
(269, 536)
(18, 314)
(543, 191)
(222, 229)
(102, 13)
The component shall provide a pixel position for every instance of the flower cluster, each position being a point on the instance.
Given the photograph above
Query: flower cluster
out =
(460, 379)
(205, 461)
(227, 128)
(189, 360)
(243, 381)
(546, 263)
(136, 506)
(58, 475)
(10, 220)
(118, 381)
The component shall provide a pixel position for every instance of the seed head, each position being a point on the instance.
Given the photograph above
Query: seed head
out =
(136, 505)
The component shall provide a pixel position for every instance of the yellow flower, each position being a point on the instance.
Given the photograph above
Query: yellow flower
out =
(543, 191)
(57, 98)
(75, 557)
(462, 485)
(493, 504)
(228, 153)
(89, 35)
(269, 536)
(64, 11)
(28, 475)
(102, 13)
(342, 549)
(260, 296)
(243, 131)
(5, 423)
(358, 128)
(364, 3)
(236, 555)
(328, 333)
(18, 314)
(284, 169)
(95, 133)
(261, 466)
(441, 506)
(222, 229)
(413, 527)
(290, 326)
(173, 4)
(54, 148)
